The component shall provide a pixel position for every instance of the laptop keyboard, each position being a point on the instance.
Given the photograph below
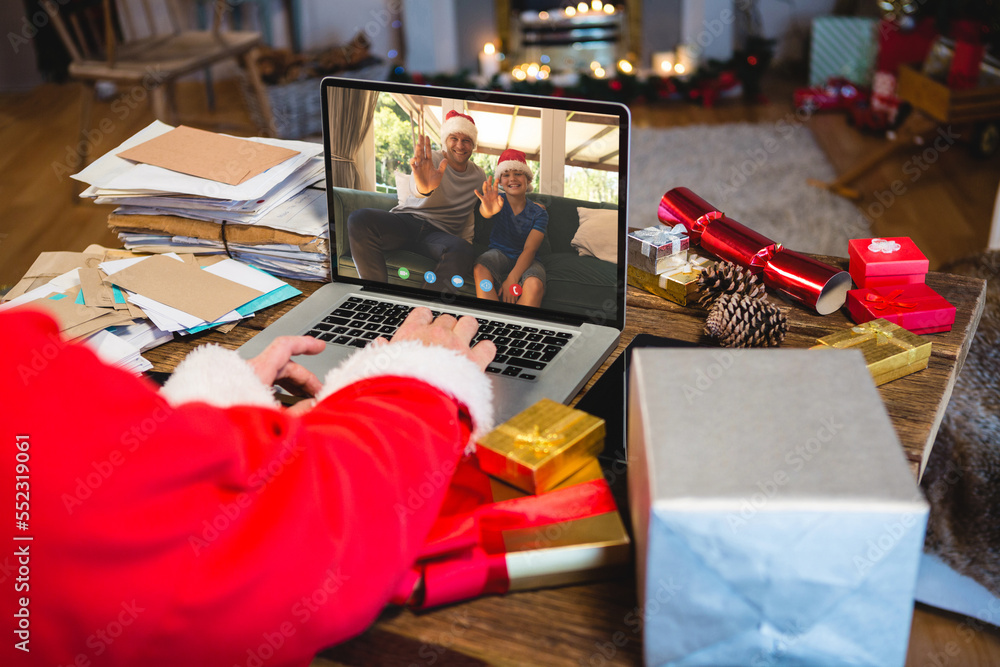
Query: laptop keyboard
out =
(522, 351)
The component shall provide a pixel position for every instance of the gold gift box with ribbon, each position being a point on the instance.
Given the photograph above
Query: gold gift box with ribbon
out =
(678, 284)
(890, 350)
(541, 446)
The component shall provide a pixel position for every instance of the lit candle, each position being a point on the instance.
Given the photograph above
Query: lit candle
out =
(488, 63)
(686, 60)
(663, 63)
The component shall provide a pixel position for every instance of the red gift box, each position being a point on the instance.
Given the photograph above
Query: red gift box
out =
(904, 47)
(886, 261)
(916, 308)
(493, 538)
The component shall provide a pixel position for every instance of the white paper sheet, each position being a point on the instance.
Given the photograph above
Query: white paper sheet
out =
(303, 213)
(144, 335)
(114, 266)
(114, 350)
(240, 273)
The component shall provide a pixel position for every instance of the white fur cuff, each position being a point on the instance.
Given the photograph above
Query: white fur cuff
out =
(217, 376)
(445, 369)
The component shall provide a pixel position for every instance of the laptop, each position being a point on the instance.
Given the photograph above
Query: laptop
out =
(578, 153)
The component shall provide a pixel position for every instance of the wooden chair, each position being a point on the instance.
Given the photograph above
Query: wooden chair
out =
(93, 36)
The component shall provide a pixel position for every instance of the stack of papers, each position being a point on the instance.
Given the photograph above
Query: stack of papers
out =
(187, 190)
(123, 307)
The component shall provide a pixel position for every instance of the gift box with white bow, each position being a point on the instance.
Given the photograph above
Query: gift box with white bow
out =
(886, 261)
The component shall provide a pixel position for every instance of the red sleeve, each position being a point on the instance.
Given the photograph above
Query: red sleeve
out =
(203, 535)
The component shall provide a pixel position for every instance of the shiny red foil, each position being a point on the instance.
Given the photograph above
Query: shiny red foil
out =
(464, 555)
(800, 277)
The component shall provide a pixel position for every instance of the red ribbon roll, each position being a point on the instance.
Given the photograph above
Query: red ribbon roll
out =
(816, 284)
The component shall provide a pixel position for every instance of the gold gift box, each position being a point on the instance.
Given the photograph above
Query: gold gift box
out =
(567, 552)
(678, 284)
(541, 446)
(890, 350)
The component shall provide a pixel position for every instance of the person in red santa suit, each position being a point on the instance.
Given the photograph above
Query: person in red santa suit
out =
(203, 524)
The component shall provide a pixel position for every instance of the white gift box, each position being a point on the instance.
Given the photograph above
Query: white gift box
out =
(776, 519)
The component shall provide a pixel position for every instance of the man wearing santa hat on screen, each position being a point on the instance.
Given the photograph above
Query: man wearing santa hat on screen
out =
(435, 219)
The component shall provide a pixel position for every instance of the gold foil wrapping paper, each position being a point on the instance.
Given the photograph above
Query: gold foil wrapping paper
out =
(890, 351)
(540, 447)
(679, 284)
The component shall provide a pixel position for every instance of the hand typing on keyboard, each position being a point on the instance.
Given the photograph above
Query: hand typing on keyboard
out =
(275, 366)
(519, 350)
(446, 331)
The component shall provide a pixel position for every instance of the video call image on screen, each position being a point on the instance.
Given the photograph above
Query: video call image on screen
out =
(546, 236)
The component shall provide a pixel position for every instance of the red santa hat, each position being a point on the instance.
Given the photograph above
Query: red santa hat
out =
(514, 160)
(459, 123)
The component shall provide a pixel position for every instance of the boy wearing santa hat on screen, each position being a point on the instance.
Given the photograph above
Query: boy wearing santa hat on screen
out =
(509, 271)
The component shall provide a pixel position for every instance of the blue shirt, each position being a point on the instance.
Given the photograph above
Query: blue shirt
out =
(511, 231)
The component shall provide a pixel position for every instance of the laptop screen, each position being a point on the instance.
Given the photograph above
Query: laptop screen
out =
(512, 203)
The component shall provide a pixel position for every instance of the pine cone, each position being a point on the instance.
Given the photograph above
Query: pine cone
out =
(728, 278)
(738, 320)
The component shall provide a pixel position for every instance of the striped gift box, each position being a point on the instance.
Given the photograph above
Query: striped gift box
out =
(843, 46)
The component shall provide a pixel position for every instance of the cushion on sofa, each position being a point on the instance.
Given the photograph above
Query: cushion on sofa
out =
(564, 211)
(597, 235)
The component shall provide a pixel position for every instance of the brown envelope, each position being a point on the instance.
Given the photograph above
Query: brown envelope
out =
(208, 155)
(66, 311)
(135, 312)
(95, 291)
(183, 286)
(111, 319)
(46, 266)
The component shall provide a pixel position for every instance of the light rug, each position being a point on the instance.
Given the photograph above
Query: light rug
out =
(754, 173)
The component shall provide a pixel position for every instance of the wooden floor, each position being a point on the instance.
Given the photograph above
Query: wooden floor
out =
(944, 203)
(39, 132)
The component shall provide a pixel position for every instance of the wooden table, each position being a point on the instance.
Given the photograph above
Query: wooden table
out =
(599, 623)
